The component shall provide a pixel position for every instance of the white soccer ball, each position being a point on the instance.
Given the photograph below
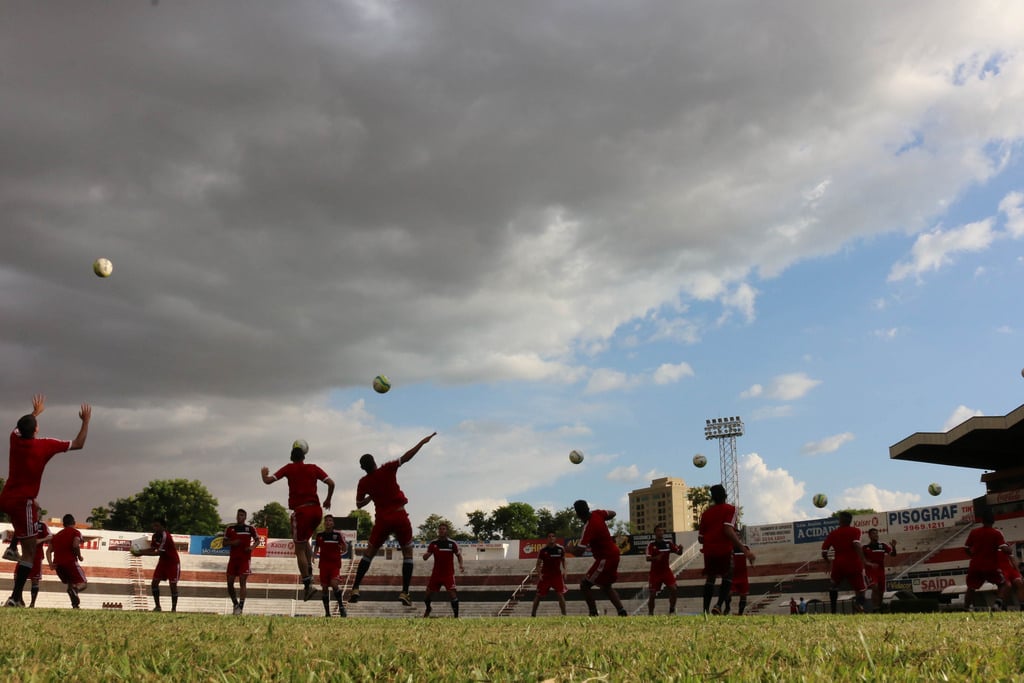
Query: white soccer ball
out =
(138, 545)
(381, 384)
(575, 457)
(820, 500)
(103, 267)
(699, 460)
(300, 443)
(934, 489)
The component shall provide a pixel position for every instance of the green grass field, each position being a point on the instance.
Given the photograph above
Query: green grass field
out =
(111, 646)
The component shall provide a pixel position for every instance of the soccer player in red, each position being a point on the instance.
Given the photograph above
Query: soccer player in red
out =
(64, 555)
(168, 567)
(1013, 577)
(551, 568)
(740, 581)
(718, 538)
(983, 546)
(304, 503)
(659, 554)
(875, 551)
(42, 536)
(380, 486)
(604, 572)
(28, 459)
(849, 561)
(444, 551)
(241, 538)
(331, 545)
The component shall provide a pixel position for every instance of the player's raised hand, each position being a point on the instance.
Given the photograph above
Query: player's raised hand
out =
(85, 412)
(38, 404)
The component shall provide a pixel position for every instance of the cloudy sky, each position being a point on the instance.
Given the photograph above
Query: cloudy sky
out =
(554, 225)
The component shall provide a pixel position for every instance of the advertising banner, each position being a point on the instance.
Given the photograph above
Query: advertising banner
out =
(872, 520)
(770, 534)
(814, 530)
(935, 517)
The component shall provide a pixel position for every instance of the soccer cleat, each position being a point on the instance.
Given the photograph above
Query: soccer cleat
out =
(11, 554)
(237, 610)
(623, 613)
(593, 614)
(308, 592)
(11, 602)
(157, 609)
(429, 609)
(342, 612)
(353, 595)
(716, 611)
(405, 599)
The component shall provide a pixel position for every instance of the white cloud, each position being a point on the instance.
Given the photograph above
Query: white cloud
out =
(669, 373)
(605, 379)
(768, 495)
(741, 299)
(830, 444)
(627, 473)
(772, 412)
(1013, 206)
(933, 250)
(887, 335)
(959, 415)
(754, 391)
(791, 386)
(869, 496)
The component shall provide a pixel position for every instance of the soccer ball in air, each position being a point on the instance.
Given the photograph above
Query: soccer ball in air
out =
(138, 545)
(575, 457)
(103, 267)
(301, 444)
(820, 500)
(699, 460)
(934, 489)
(381, 384)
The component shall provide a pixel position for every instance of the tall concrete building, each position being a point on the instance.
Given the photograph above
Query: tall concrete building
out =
(663, 502)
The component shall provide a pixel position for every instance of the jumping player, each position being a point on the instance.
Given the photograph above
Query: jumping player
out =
(241, 538)
(380, 486)
(983, 546)
(604, 572)
(168, 566)
(305, 506)
(659, 555)
(849, 561)
(718, 538)
(876, 551)
(444, 551)
(28, 459)
(551, 568)
(42, 536)
(64, 555)
(331, 545)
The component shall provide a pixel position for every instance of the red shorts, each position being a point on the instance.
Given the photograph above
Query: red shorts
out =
(240, 565)
(24, 513)
(556, 582)
(975, 578)
(391, 522)
(70, 573)
(658, 579)
(852, 575)
(436, 583)
(167, 571)
(876, 578)
(604, 572)
(305, 520)
(740, 585)
(329, 573)
(718, 565)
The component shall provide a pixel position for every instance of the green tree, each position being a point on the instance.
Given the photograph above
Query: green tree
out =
(866, 511)
(623, 528)
(275, 519)
(428, 530)
(98, 517)
(364, 525)
(515, 521)
(564, 523)
(186, 505)
(480, 525)
(699, 498)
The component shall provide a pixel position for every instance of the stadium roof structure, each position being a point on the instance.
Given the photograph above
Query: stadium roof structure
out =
(980, 442)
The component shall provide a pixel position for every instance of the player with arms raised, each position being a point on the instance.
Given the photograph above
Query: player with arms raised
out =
(659, 555)
(380, 486)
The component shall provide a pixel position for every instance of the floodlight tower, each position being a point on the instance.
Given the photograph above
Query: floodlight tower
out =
(726, 429)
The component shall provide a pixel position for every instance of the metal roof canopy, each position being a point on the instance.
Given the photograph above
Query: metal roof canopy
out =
(980, 442)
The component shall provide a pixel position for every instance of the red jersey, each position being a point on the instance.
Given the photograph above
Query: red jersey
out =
(444, 552)
(238, 531)
(63, 545)
(551, 558)
(984, 543)
(164, 545)
(660, 553)
(876, 552)
(27, 461)
(302, 478)
(845, 540)
(712, 529)
(381, 486)
(1008, 567)
(739, 567)
(597, 537)
(331, 546)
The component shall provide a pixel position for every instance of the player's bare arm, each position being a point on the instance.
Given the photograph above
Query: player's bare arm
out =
(330, 493)
(416, 449)
(85, 414)
(268, 478)
(363, 502)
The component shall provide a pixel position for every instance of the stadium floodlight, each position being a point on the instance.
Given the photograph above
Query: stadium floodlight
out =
(726, 429)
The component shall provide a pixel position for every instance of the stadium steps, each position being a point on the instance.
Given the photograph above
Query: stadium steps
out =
(779, 589)
(678, 565)
(139, 584)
